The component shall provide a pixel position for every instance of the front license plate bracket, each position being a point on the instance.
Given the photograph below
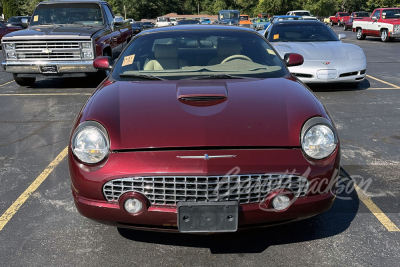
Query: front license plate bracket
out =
(195, 217)
(49, 69)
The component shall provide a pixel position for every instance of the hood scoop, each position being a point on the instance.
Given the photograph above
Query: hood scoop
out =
(201, 94)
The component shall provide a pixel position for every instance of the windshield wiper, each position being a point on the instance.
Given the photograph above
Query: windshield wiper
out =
(142, 76)
(217, 76)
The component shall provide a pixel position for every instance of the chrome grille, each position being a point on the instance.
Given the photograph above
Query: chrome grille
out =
(169, 190)
(51, 50)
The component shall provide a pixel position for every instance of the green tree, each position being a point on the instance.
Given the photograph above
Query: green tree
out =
(10, 8)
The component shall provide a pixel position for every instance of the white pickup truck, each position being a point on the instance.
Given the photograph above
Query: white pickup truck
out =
(384, 23)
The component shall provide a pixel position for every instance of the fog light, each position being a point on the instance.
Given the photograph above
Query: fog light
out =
(133, 205)
(87, 54)
(281, 202)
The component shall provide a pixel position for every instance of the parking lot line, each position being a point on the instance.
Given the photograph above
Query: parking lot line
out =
(6, 83)
(50, 94)
(391, 84)
(9, 213)
(390, 226)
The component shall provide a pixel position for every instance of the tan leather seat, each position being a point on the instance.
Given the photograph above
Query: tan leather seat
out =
(224, 50)
(166, 58)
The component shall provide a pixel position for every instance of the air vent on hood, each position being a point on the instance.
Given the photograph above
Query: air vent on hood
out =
(202, 97)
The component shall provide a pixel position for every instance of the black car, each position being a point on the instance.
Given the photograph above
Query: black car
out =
(137, 27)
(147, 25)
(16, 21)
(187, 22)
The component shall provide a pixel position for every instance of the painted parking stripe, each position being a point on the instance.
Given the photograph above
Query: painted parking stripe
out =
(10, 212)
(6, 83)
(391, 84)
(390, 226)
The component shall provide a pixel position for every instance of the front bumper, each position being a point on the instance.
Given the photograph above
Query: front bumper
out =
(34, 67)
(87, 184)
(394, 35)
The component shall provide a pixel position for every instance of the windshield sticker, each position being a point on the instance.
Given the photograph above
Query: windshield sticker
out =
(36, 18)
(276, 36)
(128, 60)
(271, 52)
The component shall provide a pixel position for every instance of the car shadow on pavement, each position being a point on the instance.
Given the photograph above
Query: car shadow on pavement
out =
(364, 85)
(65, 83)
(330, 223)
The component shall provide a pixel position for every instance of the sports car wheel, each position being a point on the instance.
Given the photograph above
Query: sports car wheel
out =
(345, 27)
(384, 36)
(360, 35)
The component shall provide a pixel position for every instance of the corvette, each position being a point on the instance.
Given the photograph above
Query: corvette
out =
(202, 129)
(326, 58)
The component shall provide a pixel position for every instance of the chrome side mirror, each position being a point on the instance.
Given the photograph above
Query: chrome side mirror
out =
(341, 36)
(118, 21)
(24, 23)
(374, 18)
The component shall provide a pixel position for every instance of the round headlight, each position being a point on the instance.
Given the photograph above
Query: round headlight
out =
(318, 138)
(90, 142)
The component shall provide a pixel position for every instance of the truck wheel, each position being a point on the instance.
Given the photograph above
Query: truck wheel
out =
(345, 27)
(24, 81)
(384, 36)
(360, 35)
(331, 23)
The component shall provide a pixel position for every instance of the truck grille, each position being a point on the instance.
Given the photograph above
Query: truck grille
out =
(41, 50)
(169, 190)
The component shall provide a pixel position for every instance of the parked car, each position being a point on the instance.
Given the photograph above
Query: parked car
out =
(263, 15)
(384, 23)
(154, 148)
(173, 21)
(259, 23)
(306, 14)
(327, 20)
(162, 22)
(137, 27)
(205, 21)
(326, 58)
(336, 20)
(188, 22)
(55, 45)
(7, 29)
(131, 20)
(16, 21)
(147, 25)
(228, 17)
(348, 23)
(280, 18)
(245, 21)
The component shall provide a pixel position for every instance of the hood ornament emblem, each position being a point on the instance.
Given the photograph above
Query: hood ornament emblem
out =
(326, 63)
(206, 157)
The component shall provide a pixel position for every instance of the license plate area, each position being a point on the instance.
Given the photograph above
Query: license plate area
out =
(49, 69)
(195, 217)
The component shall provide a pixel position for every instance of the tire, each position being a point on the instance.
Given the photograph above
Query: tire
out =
(360, 35)
(345, 27)
(24, 81)
(332, 23)
(384, 36)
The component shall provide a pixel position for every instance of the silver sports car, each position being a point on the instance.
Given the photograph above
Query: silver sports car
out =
(326, 58)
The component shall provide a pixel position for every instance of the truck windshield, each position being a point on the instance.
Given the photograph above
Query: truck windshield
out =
(229, 15)
(391, 13)
(361, 15)
(301, 13)
(73, 13)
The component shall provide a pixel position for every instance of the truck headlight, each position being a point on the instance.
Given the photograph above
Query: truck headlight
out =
(10, 46)
(318, 138)
(87, 45)
(87, 54)
(396, 28)
(90, 142)
(12, 56)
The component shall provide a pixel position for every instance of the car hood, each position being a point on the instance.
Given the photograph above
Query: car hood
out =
(256, 113)
(54, 32)
(320, 50)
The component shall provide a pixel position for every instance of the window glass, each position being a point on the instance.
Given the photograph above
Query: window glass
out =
(109, 15)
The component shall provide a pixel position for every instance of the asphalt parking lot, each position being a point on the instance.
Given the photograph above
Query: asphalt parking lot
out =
(41, 227)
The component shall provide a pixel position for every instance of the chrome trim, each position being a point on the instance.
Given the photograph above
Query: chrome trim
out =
(169, 190)
(25, 67)
(206, 157)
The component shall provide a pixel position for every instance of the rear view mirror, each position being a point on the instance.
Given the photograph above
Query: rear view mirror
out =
(292, 59)
(24, 23)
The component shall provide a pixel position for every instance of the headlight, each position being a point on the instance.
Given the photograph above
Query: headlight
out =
(87, 54)
(318, 138)
(10, 46)
(90, 143)
(87, 45)
(11, 55)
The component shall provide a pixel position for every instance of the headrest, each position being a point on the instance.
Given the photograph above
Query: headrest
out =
(166, 51)
(225, 49)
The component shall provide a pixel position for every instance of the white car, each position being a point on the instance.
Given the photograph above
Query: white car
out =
(173, 21)
(162, 22)
(326, 58)
(306, 14)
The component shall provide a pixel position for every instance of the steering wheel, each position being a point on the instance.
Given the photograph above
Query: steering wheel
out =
(316, 36)
(236, 57)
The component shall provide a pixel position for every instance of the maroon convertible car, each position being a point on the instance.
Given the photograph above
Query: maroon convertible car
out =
(202, 129)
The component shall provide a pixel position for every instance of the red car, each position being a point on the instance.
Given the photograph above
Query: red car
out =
(348, 23)
(7, 29)
(338, 18)
(202, 129)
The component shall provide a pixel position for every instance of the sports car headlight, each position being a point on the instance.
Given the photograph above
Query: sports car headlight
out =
(396, 28)
(318, 138)
(90, 143)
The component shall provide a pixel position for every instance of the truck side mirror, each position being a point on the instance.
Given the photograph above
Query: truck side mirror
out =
(374, 18)
(118, 21)
(24, 23)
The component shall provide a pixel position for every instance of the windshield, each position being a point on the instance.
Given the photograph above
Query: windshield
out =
(301, 13)
(288, 18)
(205, 20)
(362, 15)
(301, 33)
(175, 55)
(228, 15)
(75, 13)
(391, 13)
(244, 17)
(344, 14)
(181, 22)
(163, 19)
